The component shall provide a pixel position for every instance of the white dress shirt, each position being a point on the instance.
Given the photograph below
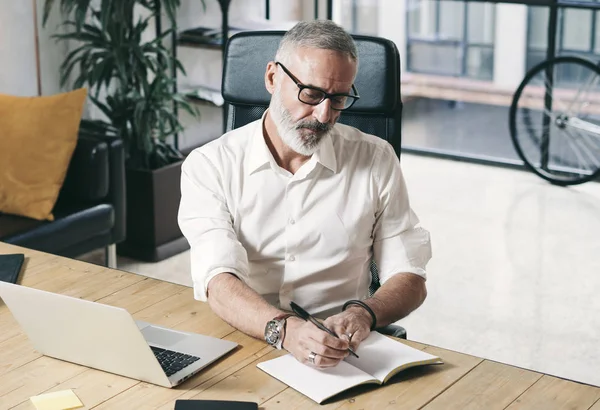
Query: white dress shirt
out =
(307, 237)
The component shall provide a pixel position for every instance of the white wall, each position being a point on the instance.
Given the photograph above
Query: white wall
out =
(392, 25)
(18, 72)
(52, 53)
(510, 45)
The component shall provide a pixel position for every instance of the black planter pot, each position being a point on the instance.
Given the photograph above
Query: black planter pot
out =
(152, 204)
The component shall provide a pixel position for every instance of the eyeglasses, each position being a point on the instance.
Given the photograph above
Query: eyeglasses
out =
(315, 96)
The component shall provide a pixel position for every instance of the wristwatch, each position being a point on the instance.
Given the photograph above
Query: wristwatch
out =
(275, 330)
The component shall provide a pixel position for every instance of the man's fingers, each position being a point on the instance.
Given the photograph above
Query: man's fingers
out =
(326, 339)
(317, 360)
(358, 337)
(326, 351)
(340, 330)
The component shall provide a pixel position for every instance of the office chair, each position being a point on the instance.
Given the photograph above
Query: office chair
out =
(378, 111)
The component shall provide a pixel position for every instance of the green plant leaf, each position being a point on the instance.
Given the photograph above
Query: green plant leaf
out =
(48, 4)
(112, 58)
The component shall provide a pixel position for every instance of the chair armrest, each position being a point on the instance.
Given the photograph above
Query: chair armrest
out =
(96, 175)
(87, 179)
(116, 192)
(393, 330)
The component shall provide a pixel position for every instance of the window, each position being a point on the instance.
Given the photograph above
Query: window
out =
(454, 38)
(360, 16)
(578, 33)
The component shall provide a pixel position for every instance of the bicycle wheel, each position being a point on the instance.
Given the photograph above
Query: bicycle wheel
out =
(555, 120)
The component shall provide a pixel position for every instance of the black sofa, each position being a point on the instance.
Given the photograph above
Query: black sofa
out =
(90, 211)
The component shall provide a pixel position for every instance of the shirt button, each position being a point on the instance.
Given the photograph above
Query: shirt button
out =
(292, 221)
(291, 258)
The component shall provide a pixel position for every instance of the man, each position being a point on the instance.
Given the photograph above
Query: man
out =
(293, 207)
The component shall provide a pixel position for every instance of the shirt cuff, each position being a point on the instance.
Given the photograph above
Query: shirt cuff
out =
(407, 252)
(201, 286)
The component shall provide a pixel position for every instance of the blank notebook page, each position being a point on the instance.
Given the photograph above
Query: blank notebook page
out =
(379, 355)
(314, 383)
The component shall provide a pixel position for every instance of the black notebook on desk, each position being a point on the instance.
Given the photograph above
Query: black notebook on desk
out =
(10, 267)
(214, 405)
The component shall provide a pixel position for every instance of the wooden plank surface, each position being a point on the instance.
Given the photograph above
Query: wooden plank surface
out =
(33, 378)
(488, 386)
(247, 384)
(552, 393)
(596, 406)
(462, 382)
(148, 396)
(91, 386)
(416, 387)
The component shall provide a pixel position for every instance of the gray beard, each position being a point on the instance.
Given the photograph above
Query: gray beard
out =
(291, 132)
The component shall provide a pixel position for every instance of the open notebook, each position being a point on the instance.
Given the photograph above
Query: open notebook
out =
(380, 358)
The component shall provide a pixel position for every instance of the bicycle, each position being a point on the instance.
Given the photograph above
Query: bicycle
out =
(554, 120)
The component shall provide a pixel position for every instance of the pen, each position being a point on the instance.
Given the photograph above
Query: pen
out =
(307, 316)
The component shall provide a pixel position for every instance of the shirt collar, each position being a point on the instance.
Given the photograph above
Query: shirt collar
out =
(325, 155)
(259, 154)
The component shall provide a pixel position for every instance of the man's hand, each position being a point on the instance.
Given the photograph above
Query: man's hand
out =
(353, 325)
(303, 338)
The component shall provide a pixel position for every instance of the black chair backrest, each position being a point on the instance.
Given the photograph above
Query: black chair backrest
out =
(377, 112)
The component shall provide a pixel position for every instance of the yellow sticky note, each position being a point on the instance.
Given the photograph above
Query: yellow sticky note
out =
(58, 400)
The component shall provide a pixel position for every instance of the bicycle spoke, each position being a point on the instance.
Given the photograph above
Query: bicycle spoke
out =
(585, 141)
(559, 150)
(580, 136)
(579, 153)
(594, 80)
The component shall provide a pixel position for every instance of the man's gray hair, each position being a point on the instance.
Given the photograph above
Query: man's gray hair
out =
(322, 34)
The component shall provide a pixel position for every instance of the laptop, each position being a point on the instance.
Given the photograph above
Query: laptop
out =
(107, 338)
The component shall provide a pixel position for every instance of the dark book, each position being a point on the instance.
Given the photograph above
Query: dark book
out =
(201, 36)
(10, 267)
(214, 405)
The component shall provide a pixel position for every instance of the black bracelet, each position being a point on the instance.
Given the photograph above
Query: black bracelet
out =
(366, 307)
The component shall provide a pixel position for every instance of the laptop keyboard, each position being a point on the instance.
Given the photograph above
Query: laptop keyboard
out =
(171, 361)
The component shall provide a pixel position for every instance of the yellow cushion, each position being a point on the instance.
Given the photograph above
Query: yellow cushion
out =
(37, 139)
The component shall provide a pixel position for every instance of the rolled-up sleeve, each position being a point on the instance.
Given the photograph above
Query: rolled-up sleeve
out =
(399, 243)
(207, 224)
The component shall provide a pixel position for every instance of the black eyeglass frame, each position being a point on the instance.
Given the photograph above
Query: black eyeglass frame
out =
(326, 95)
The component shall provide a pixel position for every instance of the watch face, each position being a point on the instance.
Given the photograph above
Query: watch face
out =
(272, 333)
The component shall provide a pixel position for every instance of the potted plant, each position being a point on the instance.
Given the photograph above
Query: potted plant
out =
(130, 81)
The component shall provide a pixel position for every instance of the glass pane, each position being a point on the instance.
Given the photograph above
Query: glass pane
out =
(535, 57)
(413, 17)
(481, 23)
(571, 75)
(421, 19)
(538, 27)
(435, 59)
(597, 34)
(359, 16)
(345, 11)
(452, 20)
(366, 17)
(577, 29)
(480, 63)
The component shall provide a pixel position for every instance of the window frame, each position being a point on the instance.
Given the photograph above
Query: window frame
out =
(592, 6)
(462, 45)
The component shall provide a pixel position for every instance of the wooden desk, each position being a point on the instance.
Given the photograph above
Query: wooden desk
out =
(463, 382)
